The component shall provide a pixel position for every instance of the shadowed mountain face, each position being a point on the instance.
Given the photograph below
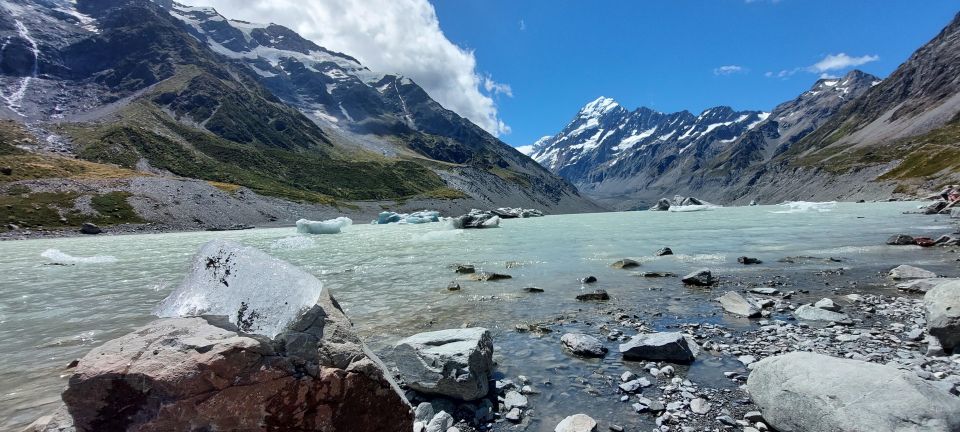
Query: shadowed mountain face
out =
(168, 88)
(846, 138)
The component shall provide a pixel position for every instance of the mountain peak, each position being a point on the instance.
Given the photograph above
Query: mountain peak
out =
(599, 106)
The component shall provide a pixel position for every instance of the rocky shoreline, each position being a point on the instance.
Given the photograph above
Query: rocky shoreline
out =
(750, 365)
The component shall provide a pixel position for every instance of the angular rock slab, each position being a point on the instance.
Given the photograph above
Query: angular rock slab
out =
(943, 314)
(577, 423)
(737, 304)
(255, 291)
(664, 346)
(583, 345)
(203, 374)
(701, 277)
(911, 272)
(455, 363)
(807, 392)
(812, 313)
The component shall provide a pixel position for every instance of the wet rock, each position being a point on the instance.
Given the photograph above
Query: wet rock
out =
(701, 277)
(748, 261)
(598, 295)
(588, 279)
(924, 241)
(942, 306)
(737, 304)
(455, 363)
(514, 415)
(625, 264)
(663, 346)
(577, 423)
(90, 229)
(514, 399)
(583, 345)
(911, 272)
(635, 385)
(423, 412)
(464, 269)
(812, 313)
(655, 274)
(533, 290)
(453, 286)
(811, 392)
(765, 291)
(488, 276)
(664, 252)
(827, 304)
(900, 240)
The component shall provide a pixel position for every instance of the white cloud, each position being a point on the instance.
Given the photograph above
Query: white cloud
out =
(526, 149)
(831, 62)
(523, 25)
(828, 76)
(840, 61)
(388, 36)
(495, 88)
(729, 70)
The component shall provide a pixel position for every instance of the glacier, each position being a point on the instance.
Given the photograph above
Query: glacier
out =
(255, 291)
(332, 226)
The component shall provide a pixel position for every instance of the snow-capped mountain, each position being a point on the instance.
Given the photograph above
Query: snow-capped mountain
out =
(628, 158)
(179, 90)
(604, 139)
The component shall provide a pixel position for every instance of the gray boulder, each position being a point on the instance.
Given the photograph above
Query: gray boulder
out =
(921, 286)
(813, 313)
(807, 392)
(701, 277)
(900, 240)
(625, 264)
(737, 304)
(943, 314)
(90, 229)
(827, 304)
(911, 272)
(455, 363)
(583, 345)
(663, 346)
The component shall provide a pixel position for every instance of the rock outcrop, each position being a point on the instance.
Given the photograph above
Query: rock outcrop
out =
(205, 373)
(943, 314)
(455, 363)
(807, 392)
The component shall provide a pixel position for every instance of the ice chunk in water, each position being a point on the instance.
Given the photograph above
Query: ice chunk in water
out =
(332, 226)
(420, 217)
(56, 256)
(257, 292)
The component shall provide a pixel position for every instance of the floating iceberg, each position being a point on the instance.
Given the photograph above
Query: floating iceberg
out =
(420, 217)
(805, 206)
(56, 256)
(691, 208)
(513, 213)
(258, 293)
(682, 204)
(476, 219)
(332, 226)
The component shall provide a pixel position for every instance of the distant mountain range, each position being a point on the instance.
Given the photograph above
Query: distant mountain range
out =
(169, 91)
(846, 138)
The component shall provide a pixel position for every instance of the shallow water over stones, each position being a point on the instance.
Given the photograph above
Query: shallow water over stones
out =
(392, 281)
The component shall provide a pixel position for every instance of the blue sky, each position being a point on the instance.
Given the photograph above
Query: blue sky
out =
(555, 56)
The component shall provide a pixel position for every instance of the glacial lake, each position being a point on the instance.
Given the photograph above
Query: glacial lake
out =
(392, 282)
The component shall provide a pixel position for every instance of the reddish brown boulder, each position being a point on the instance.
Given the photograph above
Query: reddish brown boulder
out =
(181, 374)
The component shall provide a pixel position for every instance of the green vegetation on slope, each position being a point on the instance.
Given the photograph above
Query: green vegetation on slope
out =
(59, 210)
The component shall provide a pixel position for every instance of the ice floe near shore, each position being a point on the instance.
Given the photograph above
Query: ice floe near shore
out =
(805, 206)
(332, 226)
(56, 256)
(420, 217)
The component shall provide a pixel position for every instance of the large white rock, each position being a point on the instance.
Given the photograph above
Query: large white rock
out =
(577, 423)
(737, 304)
(454, 363)
(911, 272)
(244, 285)
(807, 392)
(943, 314)
(583, 345)
(813, 313)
